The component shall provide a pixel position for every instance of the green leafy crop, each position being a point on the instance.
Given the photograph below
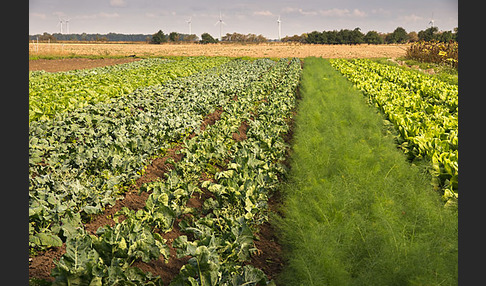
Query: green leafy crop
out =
(422, 108)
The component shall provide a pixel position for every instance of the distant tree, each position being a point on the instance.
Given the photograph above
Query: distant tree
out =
(372, 37)
(413, 36)
(260, 39)
(356, 37)
(206, 38)
(399, 36)
(316, 37)
(445, 36)
(159, 37)
(296, 38)
(174, 37)
(100, 38)
(429, 34)
(333, 37)
(189, 38)
(241, 38)
(47, 37)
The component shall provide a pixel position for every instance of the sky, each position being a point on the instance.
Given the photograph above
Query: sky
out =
(240, 16)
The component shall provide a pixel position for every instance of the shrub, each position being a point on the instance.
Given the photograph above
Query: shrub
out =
(435, 52)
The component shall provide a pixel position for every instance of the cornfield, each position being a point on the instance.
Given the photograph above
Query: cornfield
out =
(434, 52)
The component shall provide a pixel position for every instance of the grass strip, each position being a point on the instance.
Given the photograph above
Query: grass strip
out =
(354, 211)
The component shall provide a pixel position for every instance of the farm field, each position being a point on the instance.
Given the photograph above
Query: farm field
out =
(177, 171)
(217, 141)
(271, 50)
(354, 211)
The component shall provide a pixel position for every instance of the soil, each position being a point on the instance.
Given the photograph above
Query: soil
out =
(75, 63)
(241, 134)
(41, 265)
(212, 118)
(269, 255)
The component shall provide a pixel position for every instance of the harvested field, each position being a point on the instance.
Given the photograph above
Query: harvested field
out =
(278, 50)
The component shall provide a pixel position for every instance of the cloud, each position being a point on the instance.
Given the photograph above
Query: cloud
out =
(38, 15)
(158, 14)
(98, 16)
(263, 13)
(358, 13)
(381, 11)
(335, 12)
(118, 3)
(305, 13)
(410, 18)
(59, 14)
(289, 10)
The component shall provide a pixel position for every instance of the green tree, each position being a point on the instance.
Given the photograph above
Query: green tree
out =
(316, 37)
(356, 37)
(206, 38)
(413, 36)
(333, 37)
(47, 37)
(174, 37)
(189, 38)
(445, 36)
(159, 37)
(399, 36)
(372, 37)
(429, 34)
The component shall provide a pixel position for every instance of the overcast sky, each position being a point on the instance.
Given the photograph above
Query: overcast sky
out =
(241, 16)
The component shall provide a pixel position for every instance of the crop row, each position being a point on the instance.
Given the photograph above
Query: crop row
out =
(104, 146)
(50, 93)
(83, 160)
(423, 110)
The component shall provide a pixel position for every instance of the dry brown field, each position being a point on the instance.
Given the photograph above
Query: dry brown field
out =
(277, 50)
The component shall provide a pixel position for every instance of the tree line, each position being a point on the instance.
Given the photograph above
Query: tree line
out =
(115, 37)
(343, 36)
(206, 38)
(398, 36)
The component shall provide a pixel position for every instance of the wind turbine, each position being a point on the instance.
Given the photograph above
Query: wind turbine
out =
(60, 23)
(432, 21)
(67, 25)
(221, 23)
(279, 28)
(189, 22)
